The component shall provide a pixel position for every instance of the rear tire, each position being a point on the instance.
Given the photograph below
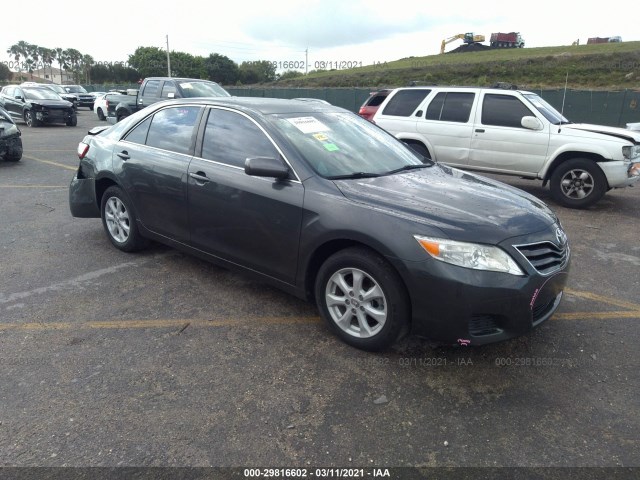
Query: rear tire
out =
(101, 115)
(120, 221)
(362, 299)
(72, 122)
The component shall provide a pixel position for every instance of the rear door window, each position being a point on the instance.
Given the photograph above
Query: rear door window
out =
(451, 107)
(173, 129)
(151, 89)
(405, 102)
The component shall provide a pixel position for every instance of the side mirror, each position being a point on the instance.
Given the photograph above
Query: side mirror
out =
(19, 97)
(531, 123)
(266, 167)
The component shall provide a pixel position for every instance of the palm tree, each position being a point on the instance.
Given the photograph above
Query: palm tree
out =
(74, 57)
(48, 56)
(62, 61)
(32, 57)
(18, 51)
(87, 63)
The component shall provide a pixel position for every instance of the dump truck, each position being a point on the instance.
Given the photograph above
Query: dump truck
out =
(506, 40)
(593, 40)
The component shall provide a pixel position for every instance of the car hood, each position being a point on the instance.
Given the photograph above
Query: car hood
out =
(51, 103)
(464, 206)
(622, 133)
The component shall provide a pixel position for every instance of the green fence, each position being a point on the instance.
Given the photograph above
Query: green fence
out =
(580, 106)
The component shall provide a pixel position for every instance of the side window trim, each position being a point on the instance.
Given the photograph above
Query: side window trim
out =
(202, 129)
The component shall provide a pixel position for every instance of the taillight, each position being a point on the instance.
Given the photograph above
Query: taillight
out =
(106, 103)
(83, 148)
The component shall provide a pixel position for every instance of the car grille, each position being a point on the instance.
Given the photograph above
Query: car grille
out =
(545, 257)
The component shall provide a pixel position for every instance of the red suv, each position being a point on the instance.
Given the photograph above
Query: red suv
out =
(371, 104)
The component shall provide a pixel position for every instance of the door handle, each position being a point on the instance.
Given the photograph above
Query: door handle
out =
(479, 130)
(200, 177)
(124, 155)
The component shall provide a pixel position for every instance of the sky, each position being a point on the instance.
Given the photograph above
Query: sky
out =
(327, 33)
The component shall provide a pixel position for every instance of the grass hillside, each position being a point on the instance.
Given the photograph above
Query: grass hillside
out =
(603, 66)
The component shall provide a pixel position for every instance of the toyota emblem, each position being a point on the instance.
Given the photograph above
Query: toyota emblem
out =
(561, 236)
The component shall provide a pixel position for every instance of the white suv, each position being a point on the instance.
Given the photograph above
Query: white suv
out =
(513, 132)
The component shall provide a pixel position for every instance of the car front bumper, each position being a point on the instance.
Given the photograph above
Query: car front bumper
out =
(621, 174)
(456, 305)
(54, 115)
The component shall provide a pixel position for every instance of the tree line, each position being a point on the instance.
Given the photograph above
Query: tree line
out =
(144, 62)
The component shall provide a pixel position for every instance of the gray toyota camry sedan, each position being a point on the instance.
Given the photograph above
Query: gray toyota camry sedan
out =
(325, 205)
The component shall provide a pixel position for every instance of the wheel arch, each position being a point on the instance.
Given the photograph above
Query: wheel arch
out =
(326, 250)
(102, 184)
(564, 156)
(411, 140)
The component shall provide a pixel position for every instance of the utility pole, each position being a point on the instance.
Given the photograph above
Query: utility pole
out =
(168, 59)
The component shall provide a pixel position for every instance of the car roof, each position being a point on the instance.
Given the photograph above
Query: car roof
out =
(180, 79)
(262, 105)
(461, 87)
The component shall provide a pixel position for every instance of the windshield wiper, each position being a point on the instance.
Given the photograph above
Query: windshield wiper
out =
(354, 175)
(410, 167)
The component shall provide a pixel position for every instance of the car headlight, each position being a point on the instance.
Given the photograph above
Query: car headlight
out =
(631, 152)
(469, 255)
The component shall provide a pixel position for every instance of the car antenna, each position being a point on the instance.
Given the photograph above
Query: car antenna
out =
(564, 95)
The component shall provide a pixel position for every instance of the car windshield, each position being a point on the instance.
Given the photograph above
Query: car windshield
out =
(57, 88)
(343, 145)
(545, 109)
(40, 94)
(202, 89)
(75, 89)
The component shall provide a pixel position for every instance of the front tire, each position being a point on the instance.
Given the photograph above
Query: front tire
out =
(119, 221)
(72, 122)
(30, 119)
(578, 183)
(101, 115)
(362, 299)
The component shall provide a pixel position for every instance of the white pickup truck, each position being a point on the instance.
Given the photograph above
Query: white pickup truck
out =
(513, 132)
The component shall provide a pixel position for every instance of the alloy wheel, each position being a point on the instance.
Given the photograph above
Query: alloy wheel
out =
(356, 302)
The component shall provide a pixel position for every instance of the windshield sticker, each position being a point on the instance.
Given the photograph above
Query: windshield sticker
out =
(308, 124)
(331, 147)
(186, 85)
(321, 137)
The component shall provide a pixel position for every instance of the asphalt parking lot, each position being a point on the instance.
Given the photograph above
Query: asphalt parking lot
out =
(158, 359)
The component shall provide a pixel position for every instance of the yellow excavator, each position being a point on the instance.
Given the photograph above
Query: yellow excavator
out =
(468, 38)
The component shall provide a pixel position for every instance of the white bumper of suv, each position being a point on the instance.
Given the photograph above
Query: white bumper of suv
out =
(621, 174)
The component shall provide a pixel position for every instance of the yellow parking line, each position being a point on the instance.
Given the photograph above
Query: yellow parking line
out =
(603, 299)
(50, 162)
(172, 323)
